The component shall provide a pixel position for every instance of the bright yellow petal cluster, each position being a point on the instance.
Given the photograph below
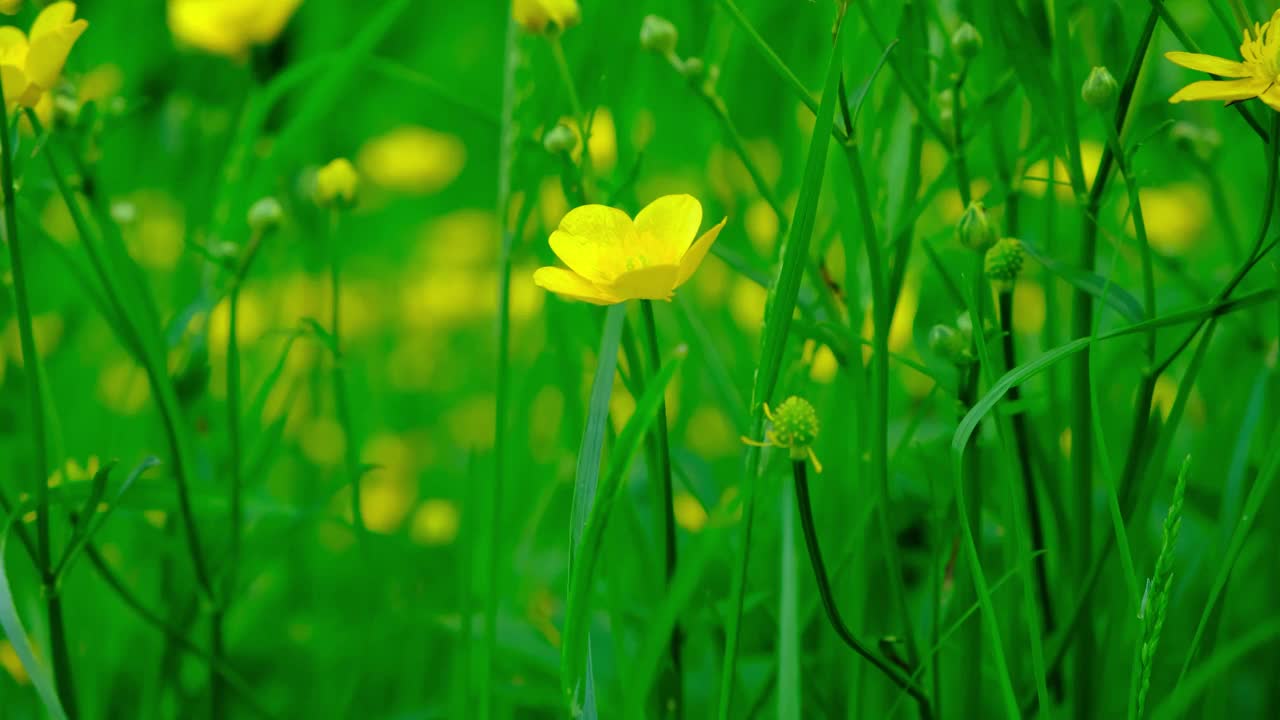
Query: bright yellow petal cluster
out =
(229, 27)
(613, 258)
(337, 182)
(31, 65)
(535, 15)
(1256, 77)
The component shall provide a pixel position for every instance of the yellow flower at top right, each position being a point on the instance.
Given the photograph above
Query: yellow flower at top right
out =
(1255, 77)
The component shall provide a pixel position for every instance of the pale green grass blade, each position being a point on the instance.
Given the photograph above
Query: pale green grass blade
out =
(17, 634)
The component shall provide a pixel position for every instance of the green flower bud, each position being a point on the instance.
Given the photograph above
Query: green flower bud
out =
(974, 230)
(1099, 88)
(795, 426)
(966, 41)
(1003, 263)
(559, 140)
(952, 344)
(693, 69)
(265, 215)
(658, 35)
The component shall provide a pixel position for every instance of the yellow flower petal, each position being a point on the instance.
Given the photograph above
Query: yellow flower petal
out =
(693, 257)
(591, 240)
(655, 282)
(571, 285)
(534, 15)
(667, 227)
(52, 37)
(270, 20)
(13, 46)
(1228, 90)
(1271, 97)
(1209, 64)
(15, 83)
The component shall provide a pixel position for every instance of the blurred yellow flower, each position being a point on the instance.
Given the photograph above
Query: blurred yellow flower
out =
(12, 664)
(688, 512)
(31, 66)
(412, 159)
(1175, 216)
(337, 182)
(123, 388)
(229, 27)
(746, 304)
(1037, 175)
(435, 523)
(73, 471)
(47, 329)
(535, 15)
(612, 259)
(603, 143)
(155, 229)
(10, 7)
(1254, 78)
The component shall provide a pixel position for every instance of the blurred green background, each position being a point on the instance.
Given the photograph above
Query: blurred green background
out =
(177, 142)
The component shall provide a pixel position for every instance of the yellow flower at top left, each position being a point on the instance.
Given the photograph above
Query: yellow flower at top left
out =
(10, 7)
(535, 15)
(31, 65)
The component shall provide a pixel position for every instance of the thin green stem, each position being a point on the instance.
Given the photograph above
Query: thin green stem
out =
(35, 398)
(958, 153)
(879, 391)
(341, 401)
(575, 105)
(973, 638)
(805, 505)
(675, 702)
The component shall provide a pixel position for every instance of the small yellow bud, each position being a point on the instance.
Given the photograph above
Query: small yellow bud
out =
(10, 7)
(658, 35)
(336, 183)
(966, 41)
(1003, 263)
(539, 16)
(1099, 88)
(559, 140)
(974, 230)
(265, 215)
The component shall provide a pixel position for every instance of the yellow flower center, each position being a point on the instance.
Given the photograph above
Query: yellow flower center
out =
(1261, 49)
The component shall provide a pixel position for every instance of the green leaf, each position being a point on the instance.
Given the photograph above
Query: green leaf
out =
(17, 635)
(1117, 297)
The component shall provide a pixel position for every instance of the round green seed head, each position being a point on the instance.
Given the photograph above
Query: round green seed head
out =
(1003, 262)
(795, 424)
(658, 35)
(966, 41)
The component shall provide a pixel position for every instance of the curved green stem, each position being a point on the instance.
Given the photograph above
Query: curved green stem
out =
(800, 472)
(35, 398)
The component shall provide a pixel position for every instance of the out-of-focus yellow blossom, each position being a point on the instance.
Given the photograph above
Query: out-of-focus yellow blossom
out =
(337, 183)
(1037, 174)
(123, 388)
(1174, 216)
(47, 329)
(1253, 78)
(154, 229)
(390, 490)
(10, 661)
(825, 366)
(762, 227)
(643, 127)
(56, 221)
(1028, 308)
(471, 423)
(904, 317)
(710, 434)
(458, 240)
(323, 442)
(229, 27)
(1064, 442)
(688, 512)
(1165, 394)
(72, 471)
(613, 259)
(536, 16)
(10, 7)
(435, 522)
(412, 159)
(31, 65)
(746, 304)
(101, 83)
(251, 322)
(603, 144)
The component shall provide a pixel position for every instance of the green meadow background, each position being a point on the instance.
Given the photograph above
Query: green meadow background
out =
(469, 399)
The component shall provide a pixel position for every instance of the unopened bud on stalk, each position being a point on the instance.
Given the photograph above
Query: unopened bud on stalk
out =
(1099, 88)
(966, 41)
(265, 215)
(1004, 262)
(658, 35)
(559, 140)
(693, 69)
(974, 230)
(953, 344)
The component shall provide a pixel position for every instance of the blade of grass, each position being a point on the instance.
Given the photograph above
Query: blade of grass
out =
(779, 306)
(587, 556)
(17, 635)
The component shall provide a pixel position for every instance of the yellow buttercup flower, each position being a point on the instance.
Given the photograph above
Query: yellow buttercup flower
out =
(229, 27)
(612, 258)
(1256, 77)
(31, 65)
(536, 15)
(337, 182)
